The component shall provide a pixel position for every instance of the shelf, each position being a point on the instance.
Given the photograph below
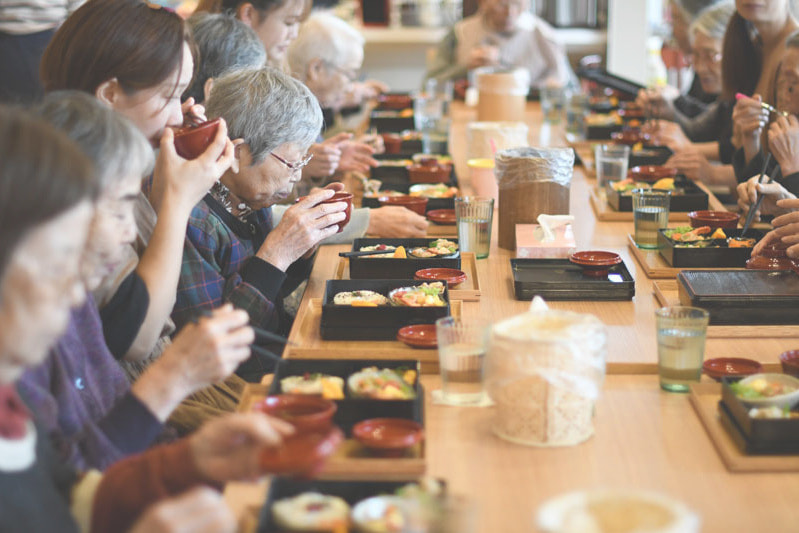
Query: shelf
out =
(570, 37)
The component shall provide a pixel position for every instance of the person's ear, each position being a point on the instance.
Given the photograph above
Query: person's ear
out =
(240, 151)
(209, 84)
(248, 14)
(313, 71)
(109, 92)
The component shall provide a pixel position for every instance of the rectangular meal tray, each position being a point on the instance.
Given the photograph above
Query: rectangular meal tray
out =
(353, 410)
(344, 322)
(601, 133)
(757, 435)
(390, 124)
(742, 297)
(693, 198)
(397, 178)
(560, 279)
(350, 491)
(650, 155)
(389, 267)
(715, 257)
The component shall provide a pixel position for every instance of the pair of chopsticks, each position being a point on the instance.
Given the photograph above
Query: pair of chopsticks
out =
(362, 254)
(262, 336)
(764, 105)
(754, 207)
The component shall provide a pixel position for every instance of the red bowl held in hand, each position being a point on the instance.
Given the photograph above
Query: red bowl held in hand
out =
(192, 141)
(305, 412)
(714, 219)
(302, 453)
(390, 436)
(417, 204)
(392, 142)
(342, 196)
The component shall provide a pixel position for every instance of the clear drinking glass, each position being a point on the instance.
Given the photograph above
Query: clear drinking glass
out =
(474, 215)
(681, 346)
(611, 162)
(431, 115)
(576, 111)
(461, 359)
(650, 213)
(553, 101)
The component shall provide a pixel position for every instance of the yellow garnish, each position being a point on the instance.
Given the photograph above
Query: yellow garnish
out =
(331, 391)
(664, 183)
(718, 234)
(409, 377)
(399, 253)
(362, 303)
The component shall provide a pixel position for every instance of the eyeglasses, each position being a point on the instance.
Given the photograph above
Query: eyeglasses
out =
(294, 167)
(350, 74)
(706, 57)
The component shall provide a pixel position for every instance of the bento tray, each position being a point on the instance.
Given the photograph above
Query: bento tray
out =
(560, 279)
(351, 491)
(693, 198)
(394, 268)
(742, 297)
(390, 124)
(716, 257)
(757, 435)
(344, 322)
(353, 410)
(601, 133)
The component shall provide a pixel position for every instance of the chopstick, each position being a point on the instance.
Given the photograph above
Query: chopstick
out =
(261, 335)
(754, 207)
(362, 254)
(764, 105)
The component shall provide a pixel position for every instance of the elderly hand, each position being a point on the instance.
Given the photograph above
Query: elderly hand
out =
(183, 182)
(200, 355)
(326, 157)
(200, 510)
(302, 227)
(483, 56)
(361, 91)
(669, 134)
(787, 225)
(783, 143)
(693, 164)
(749, 191)
(749, 119)
(393, 221)
(192, 113)
(658, 102)
(356, 156)
(229, 447)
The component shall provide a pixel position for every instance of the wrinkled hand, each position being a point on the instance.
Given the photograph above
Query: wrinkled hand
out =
(482, 56)
(750, 190)
(192, 113)
(229, 447)
(393, 221)
(665, 133)
(787, 225)
(210, 350)
(693, 164)
(375, 141)
(325, 160)
(749, 119)
(356, 156)
(783, 143)
(302, 227)
(185, 182)
(658, 101)
(200, 510)
(361, 91)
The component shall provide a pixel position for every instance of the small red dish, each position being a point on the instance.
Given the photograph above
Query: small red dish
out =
(392, 142)
(730, 367)
(631, 137)
(651, 173)
(714, 219)
(417, 204)
(306, 413)
(445, 217)
(418, 336)
(388, 436)
(773, 257)
(595, 263)
(790, 362)
(192, 141)
(394, 101)
(426, 173)
(452, 276)
(302, 453)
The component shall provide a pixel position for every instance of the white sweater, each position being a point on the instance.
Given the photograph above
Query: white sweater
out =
(21, 17)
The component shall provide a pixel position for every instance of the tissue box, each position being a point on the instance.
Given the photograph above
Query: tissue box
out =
(528, 242)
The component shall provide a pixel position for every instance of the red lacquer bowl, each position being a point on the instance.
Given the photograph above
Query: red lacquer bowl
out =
(730, 367)
(417, 204)
(418, 336)
(631, 137)
(773, 257)
(392, 143)
(342, 196)
(444, 217)
(302, 454)
(651, 173)
(394, 101)
(389, 436)
(192, 141)
(427, 173)
(595, 263)
(790, 362)
(714, 219)
(452, 276)
(307, 413)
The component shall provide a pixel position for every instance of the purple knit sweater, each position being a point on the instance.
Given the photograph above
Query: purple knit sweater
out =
(81, 397)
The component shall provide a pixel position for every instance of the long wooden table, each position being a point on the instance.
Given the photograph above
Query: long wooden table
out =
(645, 438)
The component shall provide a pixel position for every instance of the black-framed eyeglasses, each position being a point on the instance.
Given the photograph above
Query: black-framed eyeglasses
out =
(294, 167)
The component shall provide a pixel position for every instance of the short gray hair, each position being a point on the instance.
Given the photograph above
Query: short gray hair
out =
(323, 36)
(115, 146)
(692, 8)
(225, 44)
(267, 109)
(713, 21)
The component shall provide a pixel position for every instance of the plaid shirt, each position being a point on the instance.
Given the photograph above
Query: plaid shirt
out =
(219, 267)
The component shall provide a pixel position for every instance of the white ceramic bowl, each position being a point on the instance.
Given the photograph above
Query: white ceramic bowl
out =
(783, 401)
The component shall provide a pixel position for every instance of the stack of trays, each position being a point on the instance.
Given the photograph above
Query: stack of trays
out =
(344, 322)
(560, 279)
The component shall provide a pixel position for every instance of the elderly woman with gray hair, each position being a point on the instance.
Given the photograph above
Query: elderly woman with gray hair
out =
(234, 252)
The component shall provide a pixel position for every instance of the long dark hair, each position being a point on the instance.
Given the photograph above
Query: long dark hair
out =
(138, 43)
(231, 6)
(43, 175)
(741, 60)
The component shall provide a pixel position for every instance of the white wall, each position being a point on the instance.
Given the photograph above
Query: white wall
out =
(630, 25)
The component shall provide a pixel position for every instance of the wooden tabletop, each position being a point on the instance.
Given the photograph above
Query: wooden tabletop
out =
(644, 438)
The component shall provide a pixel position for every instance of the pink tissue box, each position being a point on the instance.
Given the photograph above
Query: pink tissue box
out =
(528, 242)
